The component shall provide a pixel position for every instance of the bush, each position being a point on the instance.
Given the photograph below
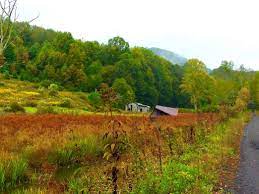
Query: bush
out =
(45, 110)
(31, 104)
(7, 75)
(66, 103)
(83, 96)
(94, 99)
(211, 108)
(14, 107)
(53, 89)
(45, 83)
(186, 110)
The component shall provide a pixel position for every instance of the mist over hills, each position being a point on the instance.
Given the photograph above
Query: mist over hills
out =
(170, 56)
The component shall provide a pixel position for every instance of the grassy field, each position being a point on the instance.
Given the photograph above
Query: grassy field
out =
(76, 150)
(72, 154)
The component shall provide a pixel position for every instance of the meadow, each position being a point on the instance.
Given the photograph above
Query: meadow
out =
(55, 153)
(55, 141)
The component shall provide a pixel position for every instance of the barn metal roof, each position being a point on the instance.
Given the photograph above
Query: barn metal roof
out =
(168, 110)
(139, 104)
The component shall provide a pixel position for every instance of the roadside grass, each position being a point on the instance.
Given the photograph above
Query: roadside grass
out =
(208, 166)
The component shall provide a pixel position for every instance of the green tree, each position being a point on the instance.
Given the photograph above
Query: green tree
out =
(63, 41)
(197, 83)
(94, 76)
(254, 88)
(95, 99)
(34, 50)
(74, 77)
(118, 44)
(115, 48)
(124, 91)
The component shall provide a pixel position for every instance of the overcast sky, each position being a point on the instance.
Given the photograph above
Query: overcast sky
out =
(211, 30)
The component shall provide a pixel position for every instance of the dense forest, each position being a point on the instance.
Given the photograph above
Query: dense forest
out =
(136, 74)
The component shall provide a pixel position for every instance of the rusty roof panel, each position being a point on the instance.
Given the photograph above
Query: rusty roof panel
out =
(168, 110)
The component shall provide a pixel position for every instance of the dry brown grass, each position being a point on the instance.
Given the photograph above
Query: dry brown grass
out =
(37, 136)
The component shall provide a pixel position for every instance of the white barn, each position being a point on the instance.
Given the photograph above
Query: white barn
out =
(137, 107)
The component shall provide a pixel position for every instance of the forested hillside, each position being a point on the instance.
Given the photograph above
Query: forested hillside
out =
(136, 74)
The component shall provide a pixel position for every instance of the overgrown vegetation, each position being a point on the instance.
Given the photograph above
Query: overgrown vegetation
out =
(65, 153)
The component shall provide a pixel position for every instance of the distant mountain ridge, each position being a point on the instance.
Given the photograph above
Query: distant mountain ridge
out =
(169, 55)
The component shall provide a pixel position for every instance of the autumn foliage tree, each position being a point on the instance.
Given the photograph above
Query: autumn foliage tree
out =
(254, 89)
(242, 100)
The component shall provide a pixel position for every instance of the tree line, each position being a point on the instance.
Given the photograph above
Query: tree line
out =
(136, 74)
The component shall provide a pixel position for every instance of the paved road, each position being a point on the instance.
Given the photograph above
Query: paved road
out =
(247, 181)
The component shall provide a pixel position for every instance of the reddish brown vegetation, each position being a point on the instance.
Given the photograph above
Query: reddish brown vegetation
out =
(24, 128)
(60, 123)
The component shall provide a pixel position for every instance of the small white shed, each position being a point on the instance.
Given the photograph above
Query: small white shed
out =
(137, 107)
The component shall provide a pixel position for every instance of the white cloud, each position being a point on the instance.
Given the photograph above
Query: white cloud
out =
(207, 29)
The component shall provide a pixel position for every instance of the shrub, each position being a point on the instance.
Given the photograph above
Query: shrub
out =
(7, 75)
(186, 110)
(45, 83)
(53, 89)
(31, 104)
(94, 99)
(210, 108)
(82, 96)
(15, 107)
(45, 110)
(66, 103)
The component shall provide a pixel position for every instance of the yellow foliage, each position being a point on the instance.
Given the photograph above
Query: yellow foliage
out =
(31, 93)
(5, 91)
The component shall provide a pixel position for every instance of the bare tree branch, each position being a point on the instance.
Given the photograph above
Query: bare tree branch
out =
(32, 20)
(8, 16)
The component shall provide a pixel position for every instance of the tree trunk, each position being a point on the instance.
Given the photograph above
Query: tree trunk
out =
(2, 58)
(195, 107)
